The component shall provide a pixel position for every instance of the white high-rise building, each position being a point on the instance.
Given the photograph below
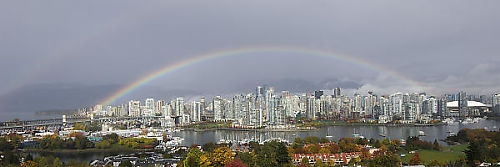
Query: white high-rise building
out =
(195, 111)
(179, 106)
(159, 107)
(134, 108)
(217, 108)
(261, 109)
(310, 107)
(149, 107)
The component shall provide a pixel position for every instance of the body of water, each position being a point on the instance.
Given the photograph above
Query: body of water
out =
(337, 132)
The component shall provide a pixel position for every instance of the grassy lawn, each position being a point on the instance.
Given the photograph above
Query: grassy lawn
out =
(448, 153)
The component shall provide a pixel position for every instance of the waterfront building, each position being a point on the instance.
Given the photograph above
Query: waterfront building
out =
(474, 108)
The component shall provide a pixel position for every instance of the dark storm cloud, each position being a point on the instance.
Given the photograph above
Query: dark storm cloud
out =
(444, 45)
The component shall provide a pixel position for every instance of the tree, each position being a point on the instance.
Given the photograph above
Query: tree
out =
(220, 157)
(324, 150)
(273, 154)
(386, 142)
(320, 163)
(377, 143)
(57, 163)
(193, 158)
(416, 160)
(103, 145)
(436, 145)
(5, 145)
(236, 163)
(282, 154)
(436, 163)
(81, 142)
(246, 158)
(45, 161)
(384, 158)
(313, 149)
(9, 158)
(209, 147)
(125, 164)
(304, 162)
(29, 164)
(476, 152)
(113, 138)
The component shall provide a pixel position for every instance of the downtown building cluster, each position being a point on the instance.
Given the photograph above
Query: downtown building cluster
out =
(269, 108)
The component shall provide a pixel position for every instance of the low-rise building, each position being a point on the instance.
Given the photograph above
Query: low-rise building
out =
(341, 158)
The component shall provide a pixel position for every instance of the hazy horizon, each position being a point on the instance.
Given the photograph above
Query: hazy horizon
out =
(71, 54)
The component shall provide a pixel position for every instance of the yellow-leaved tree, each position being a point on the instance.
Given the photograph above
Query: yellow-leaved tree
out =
(218, 158)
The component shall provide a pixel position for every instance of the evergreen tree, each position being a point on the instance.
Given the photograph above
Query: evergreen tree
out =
(416, 160)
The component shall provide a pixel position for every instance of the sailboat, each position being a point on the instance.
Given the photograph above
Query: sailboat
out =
(328, 136)
(357, 135)
(383, 132)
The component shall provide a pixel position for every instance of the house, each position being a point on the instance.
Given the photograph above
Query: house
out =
(341, 158)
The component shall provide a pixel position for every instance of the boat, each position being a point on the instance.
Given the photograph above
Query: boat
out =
(467, 121)
(327, 134)
(421, 133)
(357, 135)
(383, 133)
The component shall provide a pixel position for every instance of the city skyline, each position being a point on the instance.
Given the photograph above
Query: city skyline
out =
(268, 107)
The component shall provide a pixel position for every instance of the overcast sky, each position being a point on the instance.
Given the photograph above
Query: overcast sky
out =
(69, 54)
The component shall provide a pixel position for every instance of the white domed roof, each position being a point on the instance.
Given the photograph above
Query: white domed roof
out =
(469, 104)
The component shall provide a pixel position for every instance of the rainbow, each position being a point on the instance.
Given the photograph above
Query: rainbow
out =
(243, 51)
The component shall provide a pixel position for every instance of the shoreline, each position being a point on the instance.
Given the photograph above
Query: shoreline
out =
(313, 128)
(92, 150)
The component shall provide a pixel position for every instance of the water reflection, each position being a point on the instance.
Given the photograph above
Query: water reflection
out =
(337, 132)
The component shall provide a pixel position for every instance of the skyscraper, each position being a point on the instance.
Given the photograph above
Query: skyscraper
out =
(496, 103)
(462, 104)
(158, 107)
(337, 92)
(150, 105)
(310, 107)
(195, 111)
(134, 108)
(318, 94)
(259, 91)
(217, 107)
(179, 106)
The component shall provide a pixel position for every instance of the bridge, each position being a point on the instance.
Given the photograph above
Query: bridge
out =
(56, 123)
